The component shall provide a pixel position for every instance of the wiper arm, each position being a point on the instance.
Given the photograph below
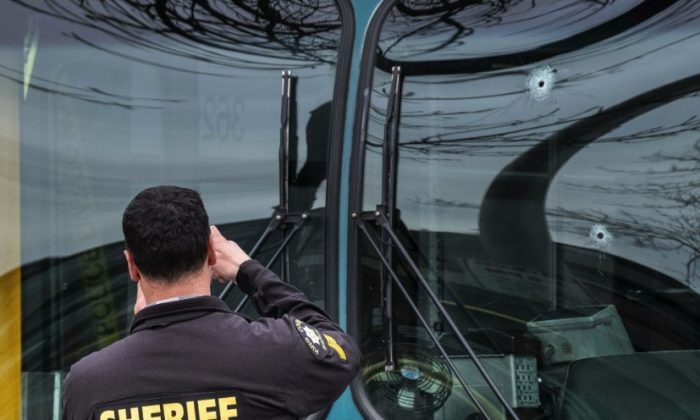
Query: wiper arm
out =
(387, 266)
(381, 219)
(400, 227)
(388, 205)
(281, 219)
(385, 216)
(287, 156)
(276, 221)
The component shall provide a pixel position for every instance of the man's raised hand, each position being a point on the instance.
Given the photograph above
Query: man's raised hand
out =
(229, 256)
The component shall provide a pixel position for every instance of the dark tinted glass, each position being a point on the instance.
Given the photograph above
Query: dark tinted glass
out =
(547, 189)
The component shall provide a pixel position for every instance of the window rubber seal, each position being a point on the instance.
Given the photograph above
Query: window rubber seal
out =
(359, 133)
(335, 154)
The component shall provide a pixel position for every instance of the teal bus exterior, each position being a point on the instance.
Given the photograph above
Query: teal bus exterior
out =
(498, 199)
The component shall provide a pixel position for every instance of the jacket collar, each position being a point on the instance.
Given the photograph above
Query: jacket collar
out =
(166, 313)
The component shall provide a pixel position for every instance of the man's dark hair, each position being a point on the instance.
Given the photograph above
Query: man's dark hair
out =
(167, 231)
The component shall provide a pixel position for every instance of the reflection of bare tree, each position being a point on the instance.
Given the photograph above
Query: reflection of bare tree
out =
(668, 218)
(417, 29)
(462, 133)
(509, 137)
(245, 34)
(450, 21)
(515, 137)
(210, 30)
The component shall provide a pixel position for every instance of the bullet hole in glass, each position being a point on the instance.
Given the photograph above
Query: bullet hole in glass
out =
(600, 237)
(540, 82)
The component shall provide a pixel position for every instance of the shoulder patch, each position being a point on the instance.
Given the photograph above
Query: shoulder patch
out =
(312, 338)
(335, 346)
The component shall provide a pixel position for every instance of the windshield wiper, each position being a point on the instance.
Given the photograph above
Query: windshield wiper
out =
(385, 217)
(388, 206)
(288, 224)
(287, 158)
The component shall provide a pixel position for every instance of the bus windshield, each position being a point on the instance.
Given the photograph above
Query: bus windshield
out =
(103, 99)
(547, 188)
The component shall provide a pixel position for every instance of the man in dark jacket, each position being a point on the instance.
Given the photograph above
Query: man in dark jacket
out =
(188, 356)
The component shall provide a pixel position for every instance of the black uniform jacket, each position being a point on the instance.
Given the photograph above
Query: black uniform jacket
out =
(195, 359)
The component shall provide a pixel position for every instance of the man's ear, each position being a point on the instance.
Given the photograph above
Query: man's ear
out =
(133, 270)
(211, 252)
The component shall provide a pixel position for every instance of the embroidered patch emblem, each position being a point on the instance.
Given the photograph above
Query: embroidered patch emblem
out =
(312, 338)
(335, 346)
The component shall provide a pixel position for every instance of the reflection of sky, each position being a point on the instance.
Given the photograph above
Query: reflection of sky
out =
(459, 131)
(112, 126)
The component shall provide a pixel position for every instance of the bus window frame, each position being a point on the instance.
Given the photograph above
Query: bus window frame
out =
(359, 135)
(335, 154)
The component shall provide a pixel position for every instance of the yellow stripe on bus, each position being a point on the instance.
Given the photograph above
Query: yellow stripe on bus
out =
(10, 275)
(10, 344)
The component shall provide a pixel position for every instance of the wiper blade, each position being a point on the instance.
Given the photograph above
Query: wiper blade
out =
(281, 219)
(388, 205)
(385, 217)
(287, 156)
